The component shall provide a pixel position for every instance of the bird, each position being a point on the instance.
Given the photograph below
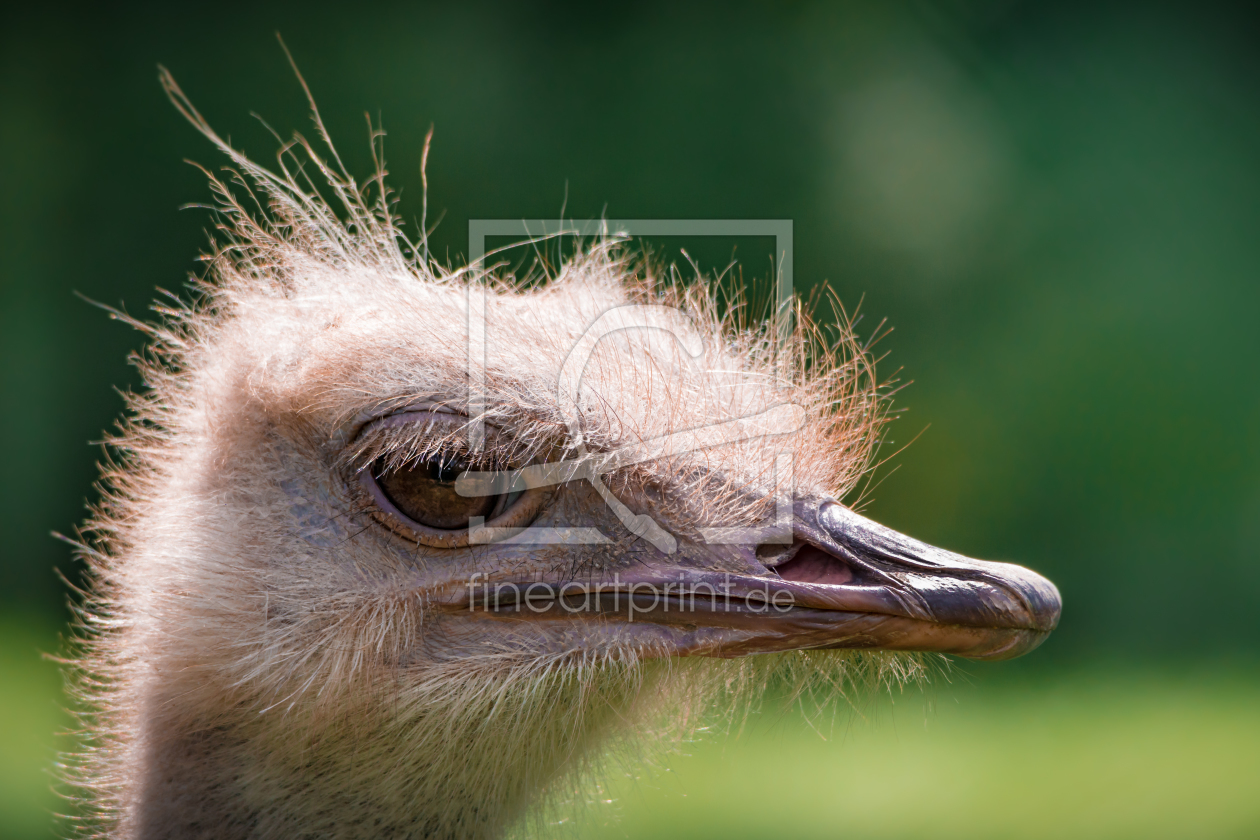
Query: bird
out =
(387, 548)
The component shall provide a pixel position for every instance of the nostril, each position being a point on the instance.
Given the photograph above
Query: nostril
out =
(813, 565)
(772, 554)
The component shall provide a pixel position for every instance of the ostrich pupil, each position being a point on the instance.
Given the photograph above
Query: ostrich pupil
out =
(426, 493)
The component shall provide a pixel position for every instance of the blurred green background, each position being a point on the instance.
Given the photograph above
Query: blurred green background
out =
(1056, 205)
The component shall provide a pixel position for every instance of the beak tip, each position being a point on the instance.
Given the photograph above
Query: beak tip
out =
(1041, 596)
(1042, 604)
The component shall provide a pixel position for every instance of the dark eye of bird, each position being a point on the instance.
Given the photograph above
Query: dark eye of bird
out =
(425, 492)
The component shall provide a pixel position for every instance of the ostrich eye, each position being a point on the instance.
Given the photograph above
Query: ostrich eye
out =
(418, 501)
(425, 493)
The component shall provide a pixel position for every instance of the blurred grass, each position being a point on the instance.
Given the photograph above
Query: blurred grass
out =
(1093, 754)
(31, 712)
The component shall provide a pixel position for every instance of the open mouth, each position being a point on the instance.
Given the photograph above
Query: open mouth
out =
(810, 564)
(844, 582)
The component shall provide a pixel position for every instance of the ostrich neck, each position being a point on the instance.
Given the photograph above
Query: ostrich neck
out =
(381, 769)
(226, 784)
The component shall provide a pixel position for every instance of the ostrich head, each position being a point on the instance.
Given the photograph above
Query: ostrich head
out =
(348, 584)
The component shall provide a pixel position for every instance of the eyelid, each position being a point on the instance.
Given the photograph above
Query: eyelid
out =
(368, 444)
(413, 415)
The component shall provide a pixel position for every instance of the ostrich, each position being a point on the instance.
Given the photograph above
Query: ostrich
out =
(339, 587)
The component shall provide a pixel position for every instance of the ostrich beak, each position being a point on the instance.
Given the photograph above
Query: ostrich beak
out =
(843, 581)
(878, 588)
(848, 582)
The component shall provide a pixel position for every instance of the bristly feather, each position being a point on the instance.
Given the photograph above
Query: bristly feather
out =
(306, 320)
